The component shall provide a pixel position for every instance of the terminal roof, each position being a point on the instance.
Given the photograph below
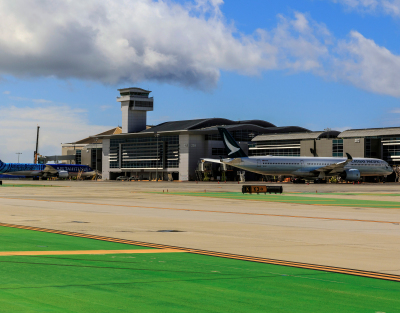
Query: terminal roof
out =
(370, 132)
(204, 123)
(300, 135)
(92, 139)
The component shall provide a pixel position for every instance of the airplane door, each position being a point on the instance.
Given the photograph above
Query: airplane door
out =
(258, 163)
(301, 163)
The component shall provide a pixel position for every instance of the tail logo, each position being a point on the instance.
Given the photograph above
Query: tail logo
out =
(230, 146)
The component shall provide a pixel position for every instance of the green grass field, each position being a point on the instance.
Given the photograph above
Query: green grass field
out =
(170, 282)
(293, 198)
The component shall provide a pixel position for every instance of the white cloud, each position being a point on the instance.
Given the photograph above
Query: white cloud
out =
(136, 40)
(365, 64)
(39, 101)
(57, 125)
(341, 128)
(6, 92)
(115, 41)
(125, 40)
(105, 107)
(395, 111)
(391, 7)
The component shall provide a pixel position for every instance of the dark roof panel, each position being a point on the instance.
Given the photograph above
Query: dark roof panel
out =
(258, 123)
(173, 126)
(201, 124)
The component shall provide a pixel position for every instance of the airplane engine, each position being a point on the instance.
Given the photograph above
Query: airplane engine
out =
(351, 175)
(63, 174)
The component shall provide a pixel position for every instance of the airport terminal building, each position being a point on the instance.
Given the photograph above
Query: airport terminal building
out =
(172, 150)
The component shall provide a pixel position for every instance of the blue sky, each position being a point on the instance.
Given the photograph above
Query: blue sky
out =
(311, 63)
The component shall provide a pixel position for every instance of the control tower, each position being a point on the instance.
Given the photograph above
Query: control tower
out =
(135, 102)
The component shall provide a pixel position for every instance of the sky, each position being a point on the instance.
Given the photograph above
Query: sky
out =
(312, 63)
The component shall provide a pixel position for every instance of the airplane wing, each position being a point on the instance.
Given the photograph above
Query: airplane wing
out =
(49, 170)
(335, 167)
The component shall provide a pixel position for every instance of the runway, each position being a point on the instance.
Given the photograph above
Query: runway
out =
(360, 238)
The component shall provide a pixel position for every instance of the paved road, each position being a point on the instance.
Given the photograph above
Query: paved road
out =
(274, 230)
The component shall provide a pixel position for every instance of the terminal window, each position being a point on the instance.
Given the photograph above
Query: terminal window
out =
(78, 156)
(275, 147)
(337, 147)
(145, 152)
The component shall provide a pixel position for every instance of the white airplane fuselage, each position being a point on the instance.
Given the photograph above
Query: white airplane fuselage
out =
(307, 166)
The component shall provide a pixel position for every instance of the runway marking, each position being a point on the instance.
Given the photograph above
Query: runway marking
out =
(18, 253)
(222, 212)
(332, 269)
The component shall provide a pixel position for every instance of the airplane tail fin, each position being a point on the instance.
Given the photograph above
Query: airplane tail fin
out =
(233, 148)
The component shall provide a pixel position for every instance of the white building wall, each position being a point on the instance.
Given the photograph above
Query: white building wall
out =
(132, 120)
(106, 159)
(197, 150)
(184, 157)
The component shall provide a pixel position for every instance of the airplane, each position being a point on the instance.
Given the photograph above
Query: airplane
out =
(45, 170)
(311, 168)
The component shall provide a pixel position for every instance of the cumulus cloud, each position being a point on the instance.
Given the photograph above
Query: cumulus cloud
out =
(114, 41)
(57, 125)
(135, 40)
(367, 65)
(124, 40)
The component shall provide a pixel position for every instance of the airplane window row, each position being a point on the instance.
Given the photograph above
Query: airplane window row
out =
(282, 163)
(318, 163)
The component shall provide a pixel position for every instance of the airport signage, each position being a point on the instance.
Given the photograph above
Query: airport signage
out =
(261, 189)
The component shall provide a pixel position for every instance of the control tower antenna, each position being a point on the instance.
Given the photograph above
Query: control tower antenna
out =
(37, 145)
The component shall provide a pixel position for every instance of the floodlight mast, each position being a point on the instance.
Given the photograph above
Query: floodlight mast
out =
(37, 145)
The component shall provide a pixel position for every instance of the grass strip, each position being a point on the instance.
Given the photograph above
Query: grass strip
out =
(182, 283)
(13, 239)
(292, 199)
(172, 282)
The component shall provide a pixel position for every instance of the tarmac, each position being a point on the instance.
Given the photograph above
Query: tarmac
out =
(362, 238)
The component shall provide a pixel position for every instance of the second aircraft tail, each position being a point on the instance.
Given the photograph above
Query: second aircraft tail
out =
(232, 147)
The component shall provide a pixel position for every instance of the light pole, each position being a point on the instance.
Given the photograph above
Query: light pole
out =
(96, 157)
(157, 135)
(18, 155)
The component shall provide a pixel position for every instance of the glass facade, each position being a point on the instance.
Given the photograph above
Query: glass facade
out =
(238, 135)
(78, 156)
(337, 148)
(275, 148)
(391, 148)
(145, 152)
